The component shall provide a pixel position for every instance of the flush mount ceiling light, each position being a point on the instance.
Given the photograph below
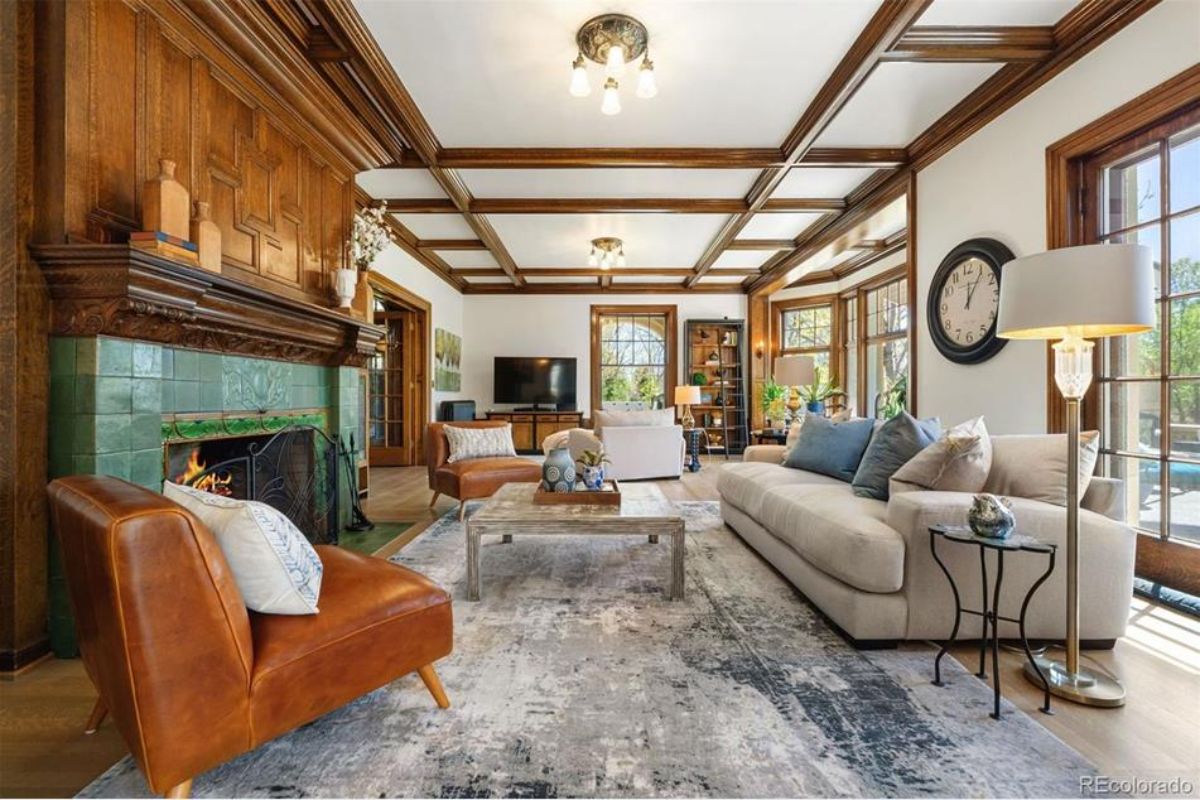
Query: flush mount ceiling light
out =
(607, 252)
(612, 40)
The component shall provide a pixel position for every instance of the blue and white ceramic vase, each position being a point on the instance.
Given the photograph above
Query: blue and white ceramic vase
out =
(558, 471)
(593, 477)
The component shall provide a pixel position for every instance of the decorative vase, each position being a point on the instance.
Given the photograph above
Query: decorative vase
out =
(991, 516)
(593, 478)
(165, 203)
(816, 407)
(207, 237)
(558, 471)
(346, 284)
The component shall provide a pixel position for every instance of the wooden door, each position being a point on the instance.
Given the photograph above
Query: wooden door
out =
(397, 386)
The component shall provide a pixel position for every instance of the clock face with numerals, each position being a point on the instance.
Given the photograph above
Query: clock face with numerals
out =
(964, 300)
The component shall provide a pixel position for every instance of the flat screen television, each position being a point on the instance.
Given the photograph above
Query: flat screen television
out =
(535, 381)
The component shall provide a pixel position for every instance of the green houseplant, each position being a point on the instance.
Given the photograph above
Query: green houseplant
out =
(593, 462)
(772, 399)
(893, 399)
(816, 393)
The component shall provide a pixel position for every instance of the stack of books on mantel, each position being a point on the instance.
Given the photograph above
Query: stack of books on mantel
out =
(166, 245)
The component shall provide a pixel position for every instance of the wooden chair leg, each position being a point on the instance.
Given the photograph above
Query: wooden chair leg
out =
(434, 684)
(462, 510)
(99, 712)
(433, 502)
(181, 790)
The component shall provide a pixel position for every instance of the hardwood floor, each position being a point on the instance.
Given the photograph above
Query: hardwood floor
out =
(44, 752)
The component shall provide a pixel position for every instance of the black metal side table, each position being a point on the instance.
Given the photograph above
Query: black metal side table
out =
(991, 613)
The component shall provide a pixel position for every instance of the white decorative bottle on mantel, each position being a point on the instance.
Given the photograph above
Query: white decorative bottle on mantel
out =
(207, 236)
(166, 206)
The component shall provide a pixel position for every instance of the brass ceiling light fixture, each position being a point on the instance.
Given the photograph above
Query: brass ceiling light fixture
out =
(612, 40)
(607, 252)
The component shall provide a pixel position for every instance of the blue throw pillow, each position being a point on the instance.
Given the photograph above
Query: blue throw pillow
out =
(900, 438)
(830, 448)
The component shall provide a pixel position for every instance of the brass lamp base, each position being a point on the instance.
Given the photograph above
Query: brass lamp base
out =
(1084, 686)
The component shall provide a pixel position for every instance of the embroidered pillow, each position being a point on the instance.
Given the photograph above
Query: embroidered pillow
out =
(274, 566)
(479, 442)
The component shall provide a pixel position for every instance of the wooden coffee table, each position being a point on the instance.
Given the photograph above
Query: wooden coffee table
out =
(644, 511)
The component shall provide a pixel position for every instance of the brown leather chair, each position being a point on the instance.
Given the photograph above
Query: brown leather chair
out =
(475, 477)
(191, 677)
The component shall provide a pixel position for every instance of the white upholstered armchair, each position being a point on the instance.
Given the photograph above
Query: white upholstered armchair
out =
(639, 444)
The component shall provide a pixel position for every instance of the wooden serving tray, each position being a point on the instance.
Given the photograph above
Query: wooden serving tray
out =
(608, 495)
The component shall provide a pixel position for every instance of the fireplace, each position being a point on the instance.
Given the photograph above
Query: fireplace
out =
(295, 470)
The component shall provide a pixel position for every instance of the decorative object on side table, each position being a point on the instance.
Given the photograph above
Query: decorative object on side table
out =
(593, 469)
(991, 613)
(685, 398)
(816, 393)
(166, 206)
(793, 371)
(772, 399)
(558, 471)
(207, 237)
(991, 516)
(964, 301)
(1075, 294)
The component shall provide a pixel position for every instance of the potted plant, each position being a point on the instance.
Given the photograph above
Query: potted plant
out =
(816, 393)
(593, 462)
(893, 399)
(772, 399)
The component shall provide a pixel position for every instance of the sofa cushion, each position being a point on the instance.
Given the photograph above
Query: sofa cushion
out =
(894, 442)
(467, 443)
(957, 462)
(843, 535)
(480, 477)
(627, 419)
(830, 448)
(744, 484)
(1036, 466)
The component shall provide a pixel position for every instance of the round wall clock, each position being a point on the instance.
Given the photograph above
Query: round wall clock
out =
(964, 300)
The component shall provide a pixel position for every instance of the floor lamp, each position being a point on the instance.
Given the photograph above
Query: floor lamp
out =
(1074, 294)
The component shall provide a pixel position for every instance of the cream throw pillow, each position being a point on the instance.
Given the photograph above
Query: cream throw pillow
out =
(1035, 467)
(274, 566)
(957, 462)
(467, 443)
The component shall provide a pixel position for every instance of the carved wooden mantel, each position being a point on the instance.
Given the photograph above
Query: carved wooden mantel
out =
(116, 290)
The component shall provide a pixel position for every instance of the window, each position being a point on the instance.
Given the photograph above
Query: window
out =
(850, 350)
(633, 357)
(1148, 192)
(886, 344)
(808, 329)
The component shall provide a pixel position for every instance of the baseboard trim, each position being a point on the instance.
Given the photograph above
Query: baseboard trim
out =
(16, 660)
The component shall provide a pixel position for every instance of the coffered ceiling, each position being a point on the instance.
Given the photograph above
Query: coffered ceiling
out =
(781, 130)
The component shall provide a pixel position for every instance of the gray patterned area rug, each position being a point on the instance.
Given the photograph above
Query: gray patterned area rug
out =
(574, 676)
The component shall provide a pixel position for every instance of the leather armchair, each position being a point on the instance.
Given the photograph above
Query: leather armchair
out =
(475, 477)
(193, 679)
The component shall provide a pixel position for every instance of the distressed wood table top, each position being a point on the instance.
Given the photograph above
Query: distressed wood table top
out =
(641, 503)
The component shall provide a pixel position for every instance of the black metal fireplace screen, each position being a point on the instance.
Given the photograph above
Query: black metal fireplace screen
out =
(294, 471)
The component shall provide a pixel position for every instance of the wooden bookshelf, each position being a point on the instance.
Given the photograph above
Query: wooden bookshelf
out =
(716, 350)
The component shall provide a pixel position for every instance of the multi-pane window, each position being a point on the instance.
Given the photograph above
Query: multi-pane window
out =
(886, 344)
(1149, 193)
(808, 330)
(633, 360)
(850, 338)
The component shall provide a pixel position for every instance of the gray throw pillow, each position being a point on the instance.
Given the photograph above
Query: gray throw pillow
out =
(900, 438)
(830, 448)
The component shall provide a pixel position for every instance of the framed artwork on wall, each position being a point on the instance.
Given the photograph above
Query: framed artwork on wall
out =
(447, 361)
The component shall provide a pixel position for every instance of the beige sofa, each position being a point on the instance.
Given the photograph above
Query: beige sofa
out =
(867, 563)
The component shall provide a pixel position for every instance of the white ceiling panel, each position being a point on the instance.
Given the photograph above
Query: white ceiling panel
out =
(996, 12)
(777, 226)
(720, 68)
(411, 183)
(617, 278)
(436, 226)
(468, 258)
(538, 279)
(721, 183)
(899, 101)
(742, 258)
(563, 240)
(822, 181)
(490, 279)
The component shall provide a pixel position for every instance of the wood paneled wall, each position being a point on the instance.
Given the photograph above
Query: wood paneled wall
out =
(142, 80)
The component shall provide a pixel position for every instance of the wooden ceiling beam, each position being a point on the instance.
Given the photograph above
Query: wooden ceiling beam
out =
(611, 205)
(596, 287)
(649, 157)
(597, 272)
(762, 244)
(891, 21)
(973, 44)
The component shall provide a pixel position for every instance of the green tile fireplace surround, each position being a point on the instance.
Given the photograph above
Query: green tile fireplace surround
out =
(115, 402)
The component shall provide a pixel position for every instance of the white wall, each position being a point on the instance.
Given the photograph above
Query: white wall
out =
(446, 301)
(994, 184)
(559, 325)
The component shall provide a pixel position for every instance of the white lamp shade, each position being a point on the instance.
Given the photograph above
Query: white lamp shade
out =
(687, 395)
(795, 370)
(1087, 291)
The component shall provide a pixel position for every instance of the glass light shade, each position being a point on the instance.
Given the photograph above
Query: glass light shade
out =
(1073, 365)
(646, 87)
(612, 99)
(620, 259)
(580, 87)
(593, 259)
(614, 65)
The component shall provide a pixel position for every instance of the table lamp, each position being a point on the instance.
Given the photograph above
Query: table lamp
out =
(686, 397)
(792, 371)
(1074, 294)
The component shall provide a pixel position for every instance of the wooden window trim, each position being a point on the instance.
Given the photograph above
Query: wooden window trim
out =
(816, 301)
(669, 311)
